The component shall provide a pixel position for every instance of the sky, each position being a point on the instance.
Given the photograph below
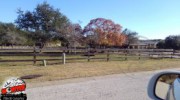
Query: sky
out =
(152, 19)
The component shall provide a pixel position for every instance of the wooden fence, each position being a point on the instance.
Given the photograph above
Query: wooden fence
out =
(59, 54)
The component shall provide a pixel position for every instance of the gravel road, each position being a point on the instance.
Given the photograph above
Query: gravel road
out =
(131, 86)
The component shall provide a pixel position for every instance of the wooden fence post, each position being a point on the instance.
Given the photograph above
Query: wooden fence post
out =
(172, 54)
(88, 56)
(64, 58)
(75, 51)
(139, 55)
(125, 54)
(44, 63)
(108, 55)
(34, 57)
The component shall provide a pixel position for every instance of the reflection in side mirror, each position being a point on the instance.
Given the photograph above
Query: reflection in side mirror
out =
(177, 88)
(168, 87)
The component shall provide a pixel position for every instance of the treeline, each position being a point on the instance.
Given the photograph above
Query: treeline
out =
(10, 34)
(46, 24)
(171, 42)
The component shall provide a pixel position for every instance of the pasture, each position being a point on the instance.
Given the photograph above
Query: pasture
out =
(78, 65)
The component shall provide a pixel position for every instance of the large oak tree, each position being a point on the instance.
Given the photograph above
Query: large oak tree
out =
(104, 32)
(44, 23)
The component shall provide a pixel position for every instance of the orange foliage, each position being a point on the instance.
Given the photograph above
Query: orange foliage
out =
(111, 38)
(106, 31)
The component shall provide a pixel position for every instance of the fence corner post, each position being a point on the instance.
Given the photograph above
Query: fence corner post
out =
(64, 58)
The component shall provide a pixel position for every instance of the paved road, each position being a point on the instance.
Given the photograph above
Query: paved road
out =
(131, 86)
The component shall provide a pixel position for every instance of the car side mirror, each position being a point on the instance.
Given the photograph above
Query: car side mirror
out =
(165, 86)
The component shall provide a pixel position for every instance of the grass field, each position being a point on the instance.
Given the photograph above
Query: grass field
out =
(83, 69)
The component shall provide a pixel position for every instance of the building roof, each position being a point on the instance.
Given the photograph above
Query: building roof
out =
(145, 42)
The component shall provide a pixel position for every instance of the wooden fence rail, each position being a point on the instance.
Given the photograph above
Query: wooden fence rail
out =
(59, 54)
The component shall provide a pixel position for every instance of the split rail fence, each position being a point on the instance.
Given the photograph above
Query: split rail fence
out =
(64, 55)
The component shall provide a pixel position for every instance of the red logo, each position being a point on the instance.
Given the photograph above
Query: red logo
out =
(14, 88)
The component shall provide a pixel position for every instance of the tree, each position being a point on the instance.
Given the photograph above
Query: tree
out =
(161, 44)
(172, 42)
(44, 23)
(73, 35)
(104, 32)
(10, 35)
(131, 36)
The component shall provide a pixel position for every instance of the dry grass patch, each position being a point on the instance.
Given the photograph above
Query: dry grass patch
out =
(85, 69)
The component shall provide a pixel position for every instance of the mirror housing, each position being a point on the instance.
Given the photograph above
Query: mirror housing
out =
(153, 82)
